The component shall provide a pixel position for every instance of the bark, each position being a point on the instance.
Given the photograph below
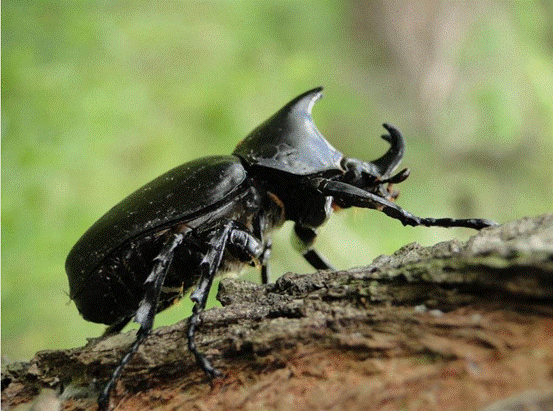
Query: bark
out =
(452, 326)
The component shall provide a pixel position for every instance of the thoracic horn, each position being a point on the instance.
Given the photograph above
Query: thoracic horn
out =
(389, 161)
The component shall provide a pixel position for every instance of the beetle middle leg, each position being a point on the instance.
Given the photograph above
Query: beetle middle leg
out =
(304, 239)
(146, 311)
(242, 245)
(264, 260)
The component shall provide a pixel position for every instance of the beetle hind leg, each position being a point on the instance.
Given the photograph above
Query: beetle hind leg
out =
(145, 314)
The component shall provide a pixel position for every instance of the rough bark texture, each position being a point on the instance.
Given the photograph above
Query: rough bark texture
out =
(454, 326)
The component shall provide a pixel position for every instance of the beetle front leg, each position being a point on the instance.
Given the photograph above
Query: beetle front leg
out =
(347, 195)
(146, 312)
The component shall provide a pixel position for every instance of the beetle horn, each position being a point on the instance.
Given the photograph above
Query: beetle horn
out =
(304, 103)
(289, 141)
(389, 161)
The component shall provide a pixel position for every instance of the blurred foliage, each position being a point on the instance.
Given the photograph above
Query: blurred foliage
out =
(101, 97)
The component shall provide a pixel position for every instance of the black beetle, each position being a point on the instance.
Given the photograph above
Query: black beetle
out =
(217, 213)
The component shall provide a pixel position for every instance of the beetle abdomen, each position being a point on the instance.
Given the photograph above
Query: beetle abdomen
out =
(181, 194)
(114, 290)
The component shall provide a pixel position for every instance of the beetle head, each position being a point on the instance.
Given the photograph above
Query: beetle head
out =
(376, 176)
(290, 142)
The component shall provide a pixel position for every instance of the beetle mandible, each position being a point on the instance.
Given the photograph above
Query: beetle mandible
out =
(217, 213)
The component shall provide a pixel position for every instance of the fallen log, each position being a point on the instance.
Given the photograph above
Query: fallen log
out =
(457, 326)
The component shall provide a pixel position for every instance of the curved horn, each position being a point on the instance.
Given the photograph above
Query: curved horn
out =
(389, 161)
(304, 102)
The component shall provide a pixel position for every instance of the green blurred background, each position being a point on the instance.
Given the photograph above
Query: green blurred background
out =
(101, 97)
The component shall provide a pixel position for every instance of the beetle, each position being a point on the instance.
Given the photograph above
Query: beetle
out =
(217, 214)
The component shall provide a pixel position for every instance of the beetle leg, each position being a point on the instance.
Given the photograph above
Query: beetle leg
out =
(210, 264)
(264, 260)
(347, 195)
(146, 311)
(246, 246)
(304, 239)
(116, 327)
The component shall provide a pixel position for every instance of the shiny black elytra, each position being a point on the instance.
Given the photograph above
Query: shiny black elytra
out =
(217, 213)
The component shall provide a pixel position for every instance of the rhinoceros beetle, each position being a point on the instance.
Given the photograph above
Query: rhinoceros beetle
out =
(217, 214)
